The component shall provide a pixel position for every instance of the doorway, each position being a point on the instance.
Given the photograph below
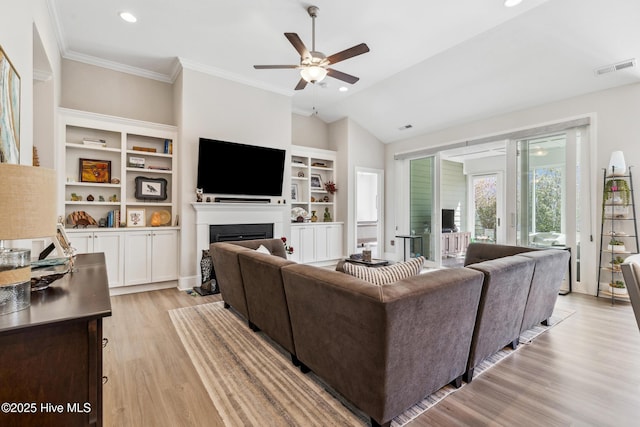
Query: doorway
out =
(369, 222)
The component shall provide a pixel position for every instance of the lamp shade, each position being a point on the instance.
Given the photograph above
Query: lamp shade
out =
(617, 166)
(313, 73)
(27, 202)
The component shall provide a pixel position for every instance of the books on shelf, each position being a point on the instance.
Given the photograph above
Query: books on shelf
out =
(94, 142)
(147, 149)
(113, 219)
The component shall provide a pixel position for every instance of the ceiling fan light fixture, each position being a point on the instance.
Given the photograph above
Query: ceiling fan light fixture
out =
(313, 73)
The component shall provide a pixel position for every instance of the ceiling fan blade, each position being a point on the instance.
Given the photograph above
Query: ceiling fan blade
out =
(270, 67)
(342, 76)
(348, 53)
(301, 84)
(297, 43)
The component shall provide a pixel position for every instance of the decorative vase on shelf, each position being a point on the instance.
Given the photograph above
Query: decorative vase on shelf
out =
(327, 215)
(314, 218)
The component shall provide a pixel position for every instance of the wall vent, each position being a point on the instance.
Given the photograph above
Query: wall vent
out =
(629, 63)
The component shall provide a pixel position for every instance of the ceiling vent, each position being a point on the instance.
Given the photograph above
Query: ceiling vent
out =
(629, 63)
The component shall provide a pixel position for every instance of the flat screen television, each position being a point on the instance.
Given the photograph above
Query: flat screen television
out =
(448, 220)
(231, 168)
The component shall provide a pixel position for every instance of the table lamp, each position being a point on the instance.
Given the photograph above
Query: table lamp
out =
(27, 211)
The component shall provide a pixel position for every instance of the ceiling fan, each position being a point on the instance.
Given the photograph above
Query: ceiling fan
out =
(314, 65)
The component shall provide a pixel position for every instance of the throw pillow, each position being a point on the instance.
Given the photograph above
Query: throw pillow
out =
(263, 249)
(384, 275)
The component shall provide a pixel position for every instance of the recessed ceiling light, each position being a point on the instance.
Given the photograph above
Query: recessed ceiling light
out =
(128, 16)
(511, 3)
(343, 89)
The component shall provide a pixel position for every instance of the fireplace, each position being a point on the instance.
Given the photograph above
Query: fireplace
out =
(231, 232)
(274, 215)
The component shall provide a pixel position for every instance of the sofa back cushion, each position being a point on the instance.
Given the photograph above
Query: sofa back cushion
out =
(504, 296)
(275, 246)
(550, 269)
(383, 347)
(264, 291)
(385, 275)
(228, 275)
(479, 252)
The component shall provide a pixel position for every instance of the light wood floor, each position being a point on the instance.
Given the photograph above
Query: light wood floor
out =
(586, 371)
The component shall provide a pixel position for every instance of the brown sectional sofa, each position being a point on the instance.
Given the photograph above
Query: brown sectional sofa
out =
(384, 348)
(520, 291)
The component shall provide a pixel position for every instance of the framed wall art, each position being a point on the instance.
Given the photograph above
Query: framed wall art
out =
(9, 111)
(294, 192)
(151, 188)
(136, 218)
(316, 181)
(98, 171)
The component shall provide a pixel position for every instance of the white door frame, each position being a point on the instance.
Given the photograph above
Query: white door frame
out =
(379, 206)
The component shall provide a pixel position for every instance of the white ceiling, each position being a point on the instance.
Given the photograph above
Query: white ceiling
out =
(432, 64)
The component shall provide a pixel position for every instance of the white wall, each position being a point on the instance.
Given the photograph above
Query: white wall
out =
(212, 107)
(616, 128)
(101, 90)
(17, 21)
(356, 147)
(309, 131)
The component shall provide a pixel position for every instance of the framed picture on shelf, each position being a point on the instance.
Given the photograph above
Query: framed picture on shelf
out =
(316, 181)
(10, 111)
(151, 188)
(61, 242)
(98, 171)
(294, 192)
(136, 218)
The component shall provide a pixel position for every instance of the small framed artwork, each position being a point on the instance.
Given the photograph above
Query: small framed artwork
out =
(95, 171)
(136, 218)
(316, 181)
(10, 111)
(151, 188)
(294, 192)
(62, 244)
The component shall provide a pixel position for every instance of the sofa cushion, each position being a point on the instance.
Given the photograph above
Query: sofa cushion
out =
(385, 275)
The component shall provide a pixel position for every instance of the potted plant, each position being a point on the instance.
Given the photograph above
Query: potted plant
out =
(616, 245)
(617, 287)
(615, 263)
(617, 187)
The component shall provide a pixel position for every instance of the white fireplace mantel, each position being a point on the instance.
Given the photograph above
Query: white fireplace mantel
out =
(236, 213)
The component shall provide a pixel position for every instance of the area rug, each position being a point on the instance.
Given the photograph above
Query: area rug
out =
(252, 381)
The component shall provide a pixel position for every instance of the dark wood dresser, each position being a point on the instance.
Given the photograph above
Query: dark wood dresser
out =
(51, 352)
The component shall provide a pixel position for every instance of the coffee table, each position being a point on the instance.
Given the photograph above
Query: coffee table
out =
(372, 263)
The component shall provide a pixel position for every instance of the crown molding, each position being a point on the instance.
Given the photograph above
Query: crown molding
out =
(217, 72)
(116, 66)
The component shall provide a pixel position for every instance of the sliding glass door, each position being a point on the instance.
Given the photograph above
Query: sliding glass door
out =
(542, 191)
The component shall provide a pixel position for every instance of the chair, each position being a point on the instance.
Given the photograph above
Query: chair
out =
(631, 273)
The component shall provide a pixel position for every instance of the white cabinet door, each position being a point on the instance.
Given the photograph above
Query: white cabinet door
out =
(303, 240)
(112, 244)
(137, 261)
(334, 241)
(164, 261)
(328, 242)
(81, 242)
